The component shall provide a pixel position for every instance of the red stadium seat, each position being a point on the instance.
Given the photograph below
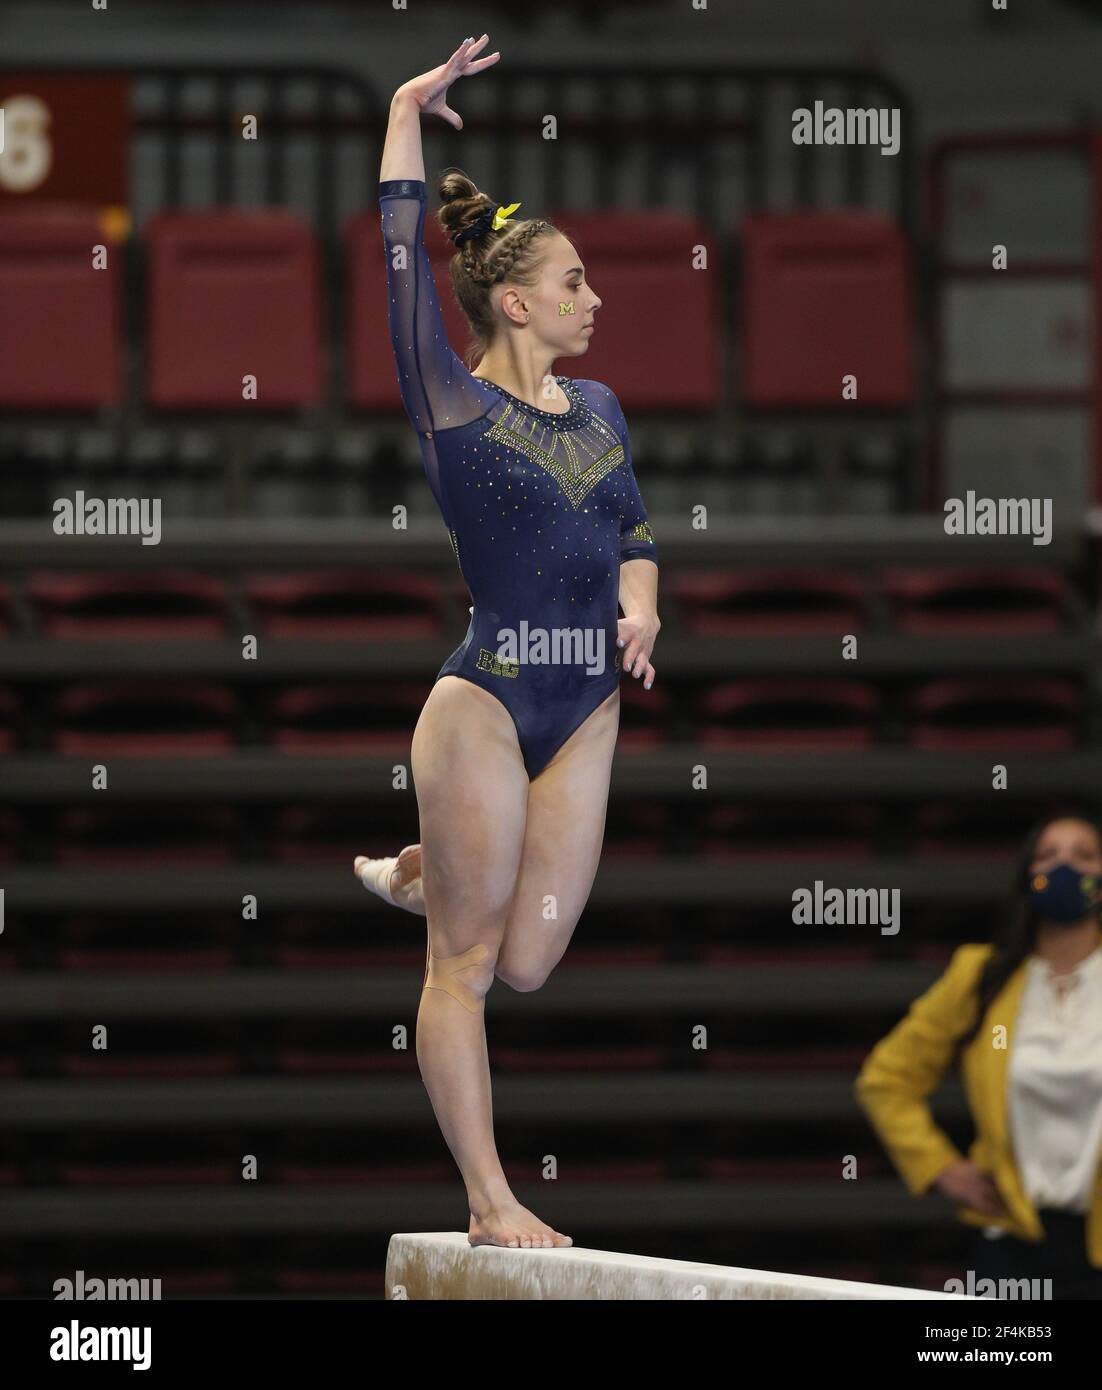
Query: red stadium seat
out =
(212, 1170)
(640, 265)
(234, 292)
(338, 957)
(826, 295)
(90, 941)
(312, 834)
(320, 1060)
(133, 836)
(153, 959)
(144, 718)
(157, 604)
(843, 1061)
(344, 604)
(168, 1065)
(745, 830)
(350, 717)
(953, 828)
(789, 713)
(991, 713)
(978, 602)
(717, 603)
(371, 379)
(623, 1057)
(9, 713)
(294, 1171)
(60, 348)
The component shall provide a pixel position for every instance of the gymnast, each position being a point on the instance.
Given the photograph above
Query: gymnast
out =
(511, 754)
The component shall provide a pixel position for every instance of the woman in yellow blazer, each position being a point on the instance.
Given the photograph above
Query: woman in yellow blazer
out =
(1023, 1019)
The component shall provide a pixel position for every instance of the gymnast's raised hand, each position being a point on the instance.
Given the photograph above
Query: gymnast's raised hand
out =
(429, 90)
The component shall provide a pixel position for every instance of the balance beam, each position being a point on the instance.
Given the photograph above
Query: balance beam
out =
(443, 1265)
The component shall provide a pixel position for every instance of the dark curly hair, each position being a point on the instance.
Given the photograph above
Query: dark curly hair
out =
(487, 258)
(1016, 932)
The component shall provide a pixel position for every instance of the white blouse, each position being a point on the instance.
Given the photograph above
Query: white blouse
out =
(1055, 1080)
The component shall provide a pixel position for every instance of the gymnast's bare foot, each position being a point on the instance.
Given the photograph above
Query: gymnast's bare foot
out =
(506, 1222)
(389, 877)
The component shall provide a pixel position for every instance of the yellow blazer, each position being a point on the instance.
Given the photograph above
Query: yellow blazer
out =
(908, 1065)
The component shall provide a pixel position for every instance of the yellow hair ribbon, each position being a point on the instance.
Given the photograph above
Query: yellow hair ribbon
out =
(502, 216)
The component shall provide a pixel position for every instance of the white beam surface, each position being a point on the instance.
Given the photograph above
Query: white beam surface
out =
(443, 1265)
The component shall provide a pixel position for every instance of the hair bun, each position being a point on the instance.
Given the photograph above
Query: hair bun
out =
(466, 213)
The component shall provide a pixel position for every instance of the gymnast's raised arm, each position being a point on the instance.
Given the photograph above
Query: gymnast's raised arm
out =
(437, 390)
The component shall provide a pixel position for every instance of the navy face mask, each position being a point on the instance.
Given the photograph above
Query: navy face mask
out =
(1063, 893)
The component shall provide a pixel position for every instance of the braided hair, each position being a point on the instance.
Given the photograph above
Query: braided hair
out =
(483, 257)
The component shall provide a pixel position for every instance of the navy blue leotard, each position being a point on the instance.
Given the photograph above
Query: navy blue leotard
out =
(541, 507)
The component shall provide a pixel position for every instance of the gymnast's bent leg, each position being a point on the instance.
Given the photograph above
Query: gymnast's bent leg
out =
(564, 833)
(567, 803)
(472, 792)
(397, 878)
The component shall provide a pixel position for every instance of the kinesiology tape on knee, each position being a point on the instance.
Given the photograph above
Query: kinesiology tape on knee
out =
(441, 973)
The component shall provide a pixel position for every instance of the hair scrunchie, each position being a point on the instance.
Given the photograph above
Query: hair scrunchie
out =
(484, 223)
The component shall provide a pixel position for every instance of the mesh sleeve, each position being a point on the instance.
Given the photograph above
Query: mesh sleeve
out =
(438, 391)
(636, 536)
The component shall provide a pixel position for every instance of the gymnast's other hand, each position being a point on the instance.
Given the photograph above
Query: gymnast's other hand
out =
(429, 90)
(637, 635)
